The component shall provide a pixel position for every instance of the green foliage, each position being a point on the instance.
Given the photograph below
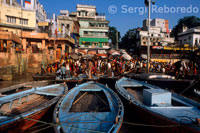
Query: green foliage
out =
(112, 35)
(129, 40)
(189, 21)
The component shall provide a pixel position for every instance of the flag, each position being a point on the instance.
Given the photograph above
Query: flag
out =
(146, 2)
(56, 32)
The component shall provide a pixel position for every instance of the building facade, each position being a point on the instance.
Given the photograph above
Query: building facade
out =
(93, 27)
(68, 25)
(189, 37)
(14, 18)
(40, 13)
(159, 33)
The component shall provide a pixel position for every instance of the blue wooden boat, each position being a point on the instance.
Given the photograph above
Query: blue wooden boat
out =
(159, 107)
(89, 107)
(20, 111)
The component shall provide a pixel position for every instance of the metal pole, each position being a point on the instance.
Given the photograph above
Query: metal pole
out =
(117, 40)
(148, 45)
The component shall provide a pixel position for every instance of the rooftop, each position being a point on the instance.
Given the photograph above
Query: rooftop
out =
(85, 6)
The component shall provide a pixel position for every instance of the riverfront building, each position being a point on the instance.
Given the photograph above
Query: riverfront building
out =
(15, 18)
(189, 37)
(68, 25)
(93, 27)
(159, 33)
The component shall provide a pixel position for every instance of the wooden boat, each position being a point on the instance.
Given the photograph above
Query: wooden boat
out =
(160, 107)
(22, 87)
(89, 107)
(110, 81)
(71, 82)
(163, 81)
(44, 77)
(20, 111)
(197, 92)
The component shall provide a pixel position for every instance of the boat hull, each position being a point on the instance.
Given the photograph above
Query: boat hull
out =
(47, 77)
(24, 123)
(84, 118)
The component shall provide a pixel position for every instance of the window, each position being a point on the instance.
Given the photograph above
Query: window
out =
(85, 32)
(189, 38)
(180, 41)
(68, 26)
(196, 41)
(11, 19)
(24, 21)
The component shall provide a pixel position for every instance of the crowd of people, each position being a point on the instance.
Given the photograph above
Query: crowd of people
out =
(116, 66)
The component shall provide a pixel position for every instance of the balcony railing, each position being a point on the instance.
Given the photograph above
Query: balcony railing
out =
(98, 36)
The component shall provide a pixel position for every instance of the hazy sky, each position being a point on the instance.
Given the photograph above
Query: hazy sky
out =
(127, 14)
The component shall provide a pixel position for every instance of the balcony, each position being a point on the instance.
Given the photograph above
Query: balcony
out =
(95, 36)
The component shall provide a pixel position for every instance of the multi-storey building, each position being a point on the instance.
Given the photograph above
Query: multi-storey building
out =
(159, 33)
(15, 18)
(41, 15)
(190, 37)
(68, 25)
(93, 27)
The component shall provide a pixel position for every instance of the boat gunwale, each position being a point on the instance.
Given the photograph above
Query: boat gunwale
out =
(13, 87)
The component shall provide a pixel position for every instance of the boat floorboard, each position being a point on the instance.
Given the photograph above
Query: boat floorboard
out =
(138, 95)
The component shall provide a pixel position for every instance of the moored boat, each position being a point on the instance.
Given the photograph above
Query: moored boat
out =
(89, 107)
(39, 77)
(196, 91)
(22, 87)
(20, 111)
(162, 80)
(166, 111)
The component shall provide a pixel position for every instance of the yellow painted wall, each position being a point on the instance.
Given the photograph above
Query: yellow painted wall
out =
(7, 10)
(13, 30)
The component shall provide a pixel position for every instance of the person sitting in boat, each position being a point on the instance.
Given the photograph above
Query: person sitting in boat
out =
(42, 70)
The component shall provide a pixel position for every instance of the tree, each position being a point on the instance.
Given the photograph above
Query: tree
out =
(189, 21)
(112, 35)
(129, 40)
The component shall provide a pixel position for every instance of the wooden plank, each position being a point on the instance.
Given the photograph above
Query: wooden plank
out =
(80, 98)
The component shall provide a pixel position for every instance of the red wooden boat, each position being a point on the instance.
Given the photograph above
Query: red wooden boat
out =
(20, 111)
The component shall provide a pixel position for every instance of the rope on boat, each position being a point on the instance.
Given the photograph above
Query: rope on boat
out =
(40, 129)
(53, 124)
(124, 122)
(145, 125)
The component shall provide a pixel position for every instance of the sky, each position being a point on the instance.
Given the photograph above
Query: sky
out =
(128, 14)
